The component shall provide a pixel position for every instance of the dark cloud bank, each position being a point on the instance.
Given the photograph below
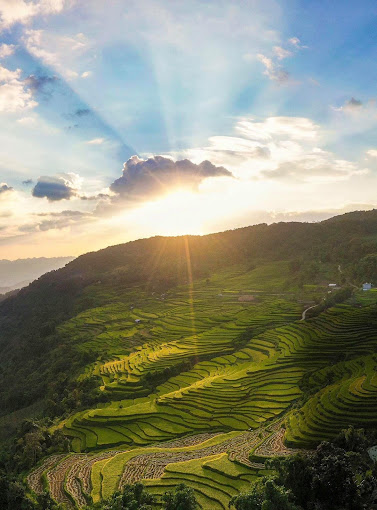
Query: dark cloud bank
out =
(4, 188)
(155, 176)
(53, 188)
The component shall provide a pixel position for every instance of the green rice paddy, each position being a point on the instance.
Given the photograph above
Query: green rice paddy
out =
(237, 372)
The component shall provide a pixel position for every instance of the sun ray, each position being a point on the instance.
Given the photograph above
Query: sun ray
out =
(190, 289)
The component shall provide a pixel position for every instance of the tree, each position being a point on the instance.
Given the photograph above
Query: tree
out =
(295, 473)
(333, 482)
(182, 498)
(251, 500)
(265, 494)
(338, 476)
(367, 269)
(132, 497)
(277, 497)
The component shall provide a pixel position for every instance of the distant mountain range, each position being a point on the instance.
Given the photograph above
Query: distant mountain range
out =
(15, 274)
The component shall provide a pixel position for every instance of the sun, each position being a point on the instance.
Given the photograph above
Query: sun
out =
(181, 212)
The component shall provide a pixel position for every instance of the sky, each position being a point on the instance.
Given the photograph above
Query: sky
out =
(124, 119)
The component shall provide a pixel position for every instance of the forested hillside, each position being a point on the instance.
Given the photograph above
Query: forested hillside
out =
(190, 359)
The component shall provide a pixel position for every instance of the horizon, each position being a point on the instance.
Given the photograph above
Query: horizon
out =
(189, 235)
(157, 118)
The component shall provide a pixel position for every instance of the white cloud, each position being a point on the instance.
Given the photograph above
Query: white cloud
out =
(6, 50)
(8, 75)
(21, 11)
(13, 94)
(86, 74)
(277, 148)
(274, 71)
(299, 128)
(372, 153)
(295, 41)
(96, 141)
(316, 166)
(27, 121)
(56, 51)
(273, 67)
(281, 53)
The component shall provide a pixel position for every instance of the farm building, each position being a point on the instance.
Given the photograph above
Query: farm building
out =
(367, 286)
(137, 321)
(333, 285)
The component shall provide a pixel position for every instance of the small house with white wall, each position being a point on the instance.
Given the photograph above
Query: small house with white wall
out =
(137, 321)
(367, 286)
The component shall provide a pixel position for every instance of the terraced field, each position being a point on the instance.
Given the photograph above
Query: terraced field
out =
(208, 384)
(222, 459)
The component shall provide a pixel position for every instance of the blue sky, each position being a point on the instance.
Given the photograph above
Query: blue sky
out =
(278, 95)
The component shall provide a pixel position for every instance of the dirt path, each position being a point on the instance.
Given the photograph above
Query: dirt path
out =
(303, 317)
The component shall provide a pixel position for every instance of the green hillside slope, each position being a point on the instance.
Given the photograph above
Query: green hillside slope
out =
(175, 359)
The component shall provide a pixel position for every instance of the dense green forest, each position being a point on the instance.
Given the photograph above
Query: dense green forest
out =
(189, 360)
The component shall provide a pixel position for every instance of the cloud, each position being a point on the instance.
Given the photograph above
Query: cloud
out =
(27, 182)
(273, 70)
(56, 51)
(95, 141)
(295, 41)
(352, 105)
(281, 53)
(296, 128)
(41, 84)
(99, 196)
(6, 75)
(21, 11)
(372, 153)
(59, 187)
(319, 165)
(155, 176)
(56, 221)
(27, 121)
(14, 96)
(82, 112)
(86, 74)
(6, 50)
(277, 149)
(4, 188)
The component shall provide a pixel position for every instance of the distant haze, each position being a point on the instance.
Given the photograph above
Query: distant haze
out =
(15, 274)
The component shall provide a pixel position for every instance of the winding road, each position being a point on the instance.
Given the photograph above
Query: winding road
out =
(303, 317)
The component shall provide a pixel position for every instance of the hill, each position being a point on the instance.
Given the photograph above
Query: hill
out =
(188, 358)
(15, 274)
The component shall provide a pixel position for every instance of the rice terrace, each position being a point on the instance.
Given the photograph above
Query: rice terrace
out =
(190, 360)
